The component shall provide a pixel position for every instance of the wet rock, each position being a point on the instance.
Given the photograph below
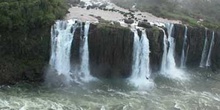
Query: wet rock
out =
(215, 57)
(73, 2)
(144, 24)
(155, 37)
(110, 51)
(179, 31)
(196, 37)
(128, 21)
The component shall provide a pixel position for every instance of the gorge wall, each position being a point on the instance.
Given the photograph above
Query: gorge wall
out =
(23, 56)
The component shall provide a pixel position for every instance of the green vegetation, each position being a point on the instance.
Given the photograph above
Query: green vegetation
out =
(188, 11)
(29, 14)
(25, 37)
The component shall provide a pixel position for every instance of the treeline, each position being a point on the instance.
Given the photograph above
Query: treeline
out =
(30, 14)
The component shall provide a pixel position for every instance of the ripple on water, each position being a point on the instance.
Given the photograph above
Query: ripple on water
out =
(197, 94)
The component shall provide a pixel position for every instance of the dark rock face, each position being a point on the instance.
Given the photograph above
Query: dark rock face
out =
(179, 31)
(155, 37)
(144, 24)
(128, 21)
(73, 2)
(195, 45)
(196, 37)
(215, 58)
(110, 50)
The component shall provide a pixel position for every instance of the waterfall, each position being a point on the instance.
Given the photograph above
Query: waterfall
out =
(168, 66)
(208, 62)
(62, 35)
(164, 58)
(140, 68)
(170, 55)
(61, 39)
(144, 57)
(204, 52)
(136, 56)
(84, 72)
(184, 55)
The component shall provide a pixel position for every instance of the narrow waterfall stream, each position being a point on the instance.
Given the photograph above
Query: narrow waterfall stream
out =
(208, 61)
(204, 52)
(141, 69)
(184, 54)
(84, 67)
(171, 64)
(164, 58)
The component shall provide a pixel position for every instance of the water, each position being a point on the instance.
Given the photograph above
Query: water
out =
(200, 93)
(84, 67)
(60, 70)
(208, 62)
(171, 64)
(168, 66)
(61, 41)
(184, 54)
(164, 58)
(204, 52)
(140, 76)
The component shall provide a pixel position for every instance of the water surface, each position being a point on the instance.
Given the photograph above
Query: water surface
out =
(198, 93)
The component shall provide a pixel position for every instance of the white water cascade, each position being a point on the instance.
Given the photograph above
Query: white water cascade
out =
(140, 68)
(61, 40)
(168, 66)
(164, 59)
(208, 61)
(62, 35)
(184, 54)
(204, 52)
(84, 72)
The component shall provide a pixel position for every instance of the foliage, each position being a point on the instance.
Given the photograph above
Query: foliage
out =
(30, 14)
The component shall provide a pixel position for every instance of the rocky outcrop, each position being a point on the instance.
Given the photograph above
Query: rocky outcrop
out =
(128, 21)
(155, 37)
(73, 2)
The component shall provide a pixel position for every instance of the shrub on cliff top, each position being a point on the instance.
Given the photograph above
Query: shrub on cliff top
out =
(29, 14)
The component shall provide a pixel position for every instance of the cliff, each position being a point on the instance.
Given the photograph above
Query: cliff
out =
(24, 56)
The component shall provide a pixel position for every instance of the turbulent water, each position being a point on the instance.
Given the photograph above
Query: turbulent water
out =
(199, 93)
